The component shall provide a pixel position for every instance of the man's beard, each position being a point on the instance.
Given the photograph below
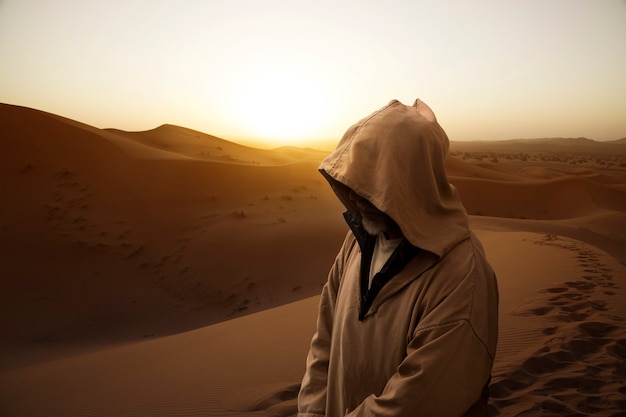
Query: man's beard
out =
(375, 225)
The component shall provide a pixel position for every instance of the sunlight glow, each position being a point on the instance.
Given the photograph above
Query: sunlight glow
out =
(280, 102)
(279, 72)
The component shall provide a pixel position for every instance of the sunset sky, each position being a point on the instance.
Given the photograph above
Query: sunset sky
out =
(277, 72)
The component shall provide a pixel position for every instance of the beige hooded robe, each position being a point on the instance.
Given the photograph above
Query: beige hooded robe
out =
(426, 343)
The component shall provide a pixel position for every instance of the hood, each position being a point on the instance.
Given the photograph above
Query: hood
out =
(395, 158)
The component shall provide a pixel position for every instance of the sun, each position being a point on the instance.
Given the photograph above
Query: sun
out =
(281, 104)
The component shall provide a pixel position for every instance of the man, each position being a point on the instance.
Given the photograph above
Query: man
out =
(407, 321)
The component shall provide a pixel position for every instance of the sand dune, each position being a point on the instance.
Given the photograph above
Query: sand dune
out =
(170, 272)
(100, 239)
(559, 198)
(559, 147)
(182, 142)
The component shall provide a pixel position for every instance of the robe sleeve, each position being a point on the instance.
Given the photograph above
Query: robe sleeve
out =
(446, 369)
(312, 395)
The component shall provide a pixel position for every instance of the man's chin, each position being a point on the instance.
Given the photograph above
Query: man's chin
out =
(374, 226)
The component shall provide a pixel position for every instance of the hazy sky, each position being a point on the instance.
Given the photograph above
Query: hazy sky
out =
(293, 71)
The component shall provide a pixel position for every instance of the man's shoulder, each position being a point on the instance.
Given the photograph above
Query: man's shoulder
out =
(463, 265)
(470, 249)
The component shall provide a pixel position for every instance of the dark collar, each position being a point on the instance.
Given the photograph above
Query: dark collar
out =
(396, 262)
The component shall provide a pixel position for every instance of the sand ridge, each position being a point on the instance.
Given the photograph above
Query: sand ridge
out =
(170, 272)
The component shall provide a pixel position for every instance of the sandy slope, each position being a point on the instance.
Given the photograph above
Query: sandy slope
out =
(113, 243)
(103, 246)
(562, 349)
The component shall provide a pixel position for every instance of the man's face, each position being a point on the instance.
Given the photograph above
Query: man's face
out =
(374, 221)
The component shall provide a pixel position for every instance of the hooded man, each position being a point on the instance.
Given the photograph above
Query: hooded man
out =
(408, 318)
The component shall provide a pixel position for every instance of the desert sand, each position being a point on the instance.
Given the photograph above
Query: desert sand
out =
(173, 273)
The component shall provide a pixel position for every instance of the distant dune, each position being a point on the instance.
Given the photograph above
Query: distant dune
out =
(170, 272)
(587, 147)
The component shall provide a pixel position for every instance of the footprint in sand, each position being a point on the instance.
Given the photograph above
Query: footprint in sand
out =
(567, 377)
(556, 289)
(567, 298)
(580, 369)
(581, 285)
(619, 350)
